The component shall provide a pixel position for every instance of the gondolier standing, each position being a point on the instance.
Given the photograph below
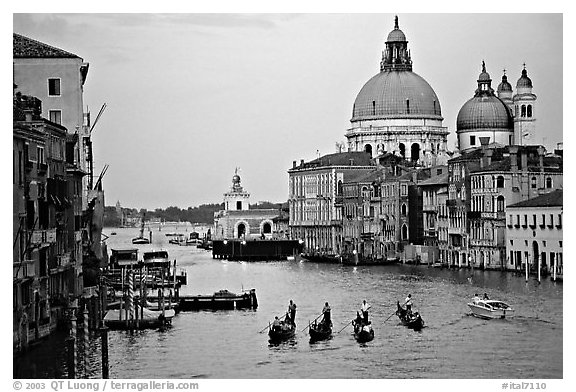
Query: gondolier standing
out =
(326, 312)
(364, 308)
(408, 303)
(292, 311)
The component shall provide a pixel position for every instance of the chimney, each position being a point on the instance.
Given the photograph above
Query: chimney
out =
(524, 160)
(293, 164)
(415, 177)
(541, 152)
(351, 162)
(488, 156)
(513, 158)
(301, 162)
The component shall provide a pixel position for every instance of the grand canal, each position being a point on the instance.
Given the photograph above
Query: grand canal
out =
(227, 344)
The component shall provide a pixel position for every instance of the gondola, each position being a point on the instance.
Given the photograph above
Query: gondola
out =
(363, 332)
(285, 331)
(411, 320)
(320, 331)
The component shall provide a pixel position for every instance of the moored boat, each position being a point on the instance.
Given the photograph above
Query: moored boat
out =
(410, 319)
(490, 309)
(320, 331)
(220, 300)
(116, 319)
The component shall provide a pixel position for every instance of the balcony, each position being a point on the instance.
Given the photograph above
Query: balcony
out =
(456, 231)
(40, 237)
(24, 269)
(451, 203)
(481, 242)
(493, 215)
(473, 214)
(430, 208)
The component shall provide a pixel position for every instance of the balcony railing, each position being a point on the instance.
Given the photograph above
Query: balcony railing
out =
(40, 237)
(24, 269)
(430, 208)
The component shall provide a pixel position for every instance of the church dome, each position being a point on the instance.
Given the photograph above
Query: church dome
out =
(396, 35)
(396, 94)
(504, 85)
(484, 112)
(524, 80)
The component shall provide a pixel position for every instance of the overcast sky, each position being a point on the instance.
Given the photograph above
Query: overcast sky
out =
(190, 97)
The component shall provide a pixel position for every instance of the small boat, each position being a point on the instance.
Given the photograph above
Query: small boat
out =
(411, 320)
(320, 331)
(285, 331)
(490, 309)
(115, 319)
(140, 240)
(363, 332)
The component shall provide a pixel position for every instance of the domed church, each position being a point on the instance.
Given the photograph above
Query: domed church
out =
(397, 111)
(505, 118)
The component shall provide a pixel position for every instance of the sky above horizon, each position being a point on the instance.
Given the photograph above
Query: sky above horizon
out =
(190, 97)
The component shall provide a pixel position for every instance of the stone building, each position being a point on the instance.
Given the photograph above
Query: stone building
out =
(522, 173)
(47, 256)
(315, 198)
(397, 111)
(237, 220)
(534, 235)
(503, 117)
(433, 190)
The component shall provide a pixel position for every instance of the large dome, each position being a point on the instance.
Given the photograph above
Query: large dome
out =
(484, 112)
(396, 94)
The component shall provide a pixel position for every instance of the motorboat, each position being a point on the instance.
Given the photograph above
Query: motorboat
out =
(490, 309)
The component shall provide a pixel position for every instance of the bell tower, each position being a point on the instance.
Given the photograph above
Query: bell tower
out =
(237, 199)
(524, 115)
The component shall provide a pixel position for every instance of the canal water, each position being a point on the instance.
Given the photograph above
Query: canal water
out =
(227, 344)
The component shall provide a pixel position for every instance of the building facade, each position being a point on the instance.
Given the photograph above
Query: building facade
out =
(315, 198)
(397, 111)
(534, 235)
(238, 221)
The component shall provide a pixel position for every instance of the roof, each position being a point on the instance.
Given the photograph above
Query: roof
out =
(396, 94)
(351, 158)
(24, 47)
(552, 164)
(552, 199)
(484, 112)
(442, 179)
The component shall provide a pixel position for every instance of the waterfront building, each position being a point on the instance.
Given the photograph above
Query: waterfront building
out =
(237, 220)
(47, 256)
(534, 234)
(57, 78)
(522, 173)
(434, 193)
(397, 111)
(315, 198)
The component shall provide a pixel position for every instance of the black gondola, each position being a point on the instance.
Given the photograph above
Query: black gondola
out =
(411, 320)
(281, 333)
(320, 331)
(363, 332)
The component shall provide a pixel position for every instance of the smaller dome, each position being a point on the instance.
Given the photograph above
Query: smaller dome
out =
(396, 35)
(484, 76)
(484, 112)
(504, 85)
(524, 80)
(236, 179)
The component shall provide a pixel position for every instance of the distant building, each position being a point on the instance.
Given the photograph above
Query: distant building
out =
(397, 111)
(503, 117)
(238, 221)
(315, 198)
(534, 234)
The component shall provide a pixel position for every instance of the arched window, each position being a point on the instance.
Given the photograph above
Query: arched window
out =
(500, 182)
(402, 150)
(548, 182)
(516, 111)
(404, 232)
(523, 111)
(241, 230)
(415, 152)
(404, 209)
(533, 182)
(368, 149)
(339, 188)
(500, 203)
(529, 111)
(266, 228)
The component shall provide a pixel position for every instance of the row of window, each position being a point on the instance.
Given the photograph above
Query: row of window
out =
(543, 221)
(525, 110)
(543, 243)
